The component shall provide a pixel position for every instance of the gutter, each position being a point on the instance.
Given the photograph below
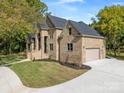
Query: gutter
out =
(90, 36)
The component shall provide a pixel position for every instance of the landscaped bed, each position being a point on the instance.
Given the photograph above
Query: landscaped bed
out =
(43, 74)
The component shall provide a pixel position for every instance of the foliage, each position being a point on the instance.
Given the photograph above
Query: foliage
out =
(119, 56)
(110, 22)
(7, 59)
(44, 74)
(16, 21)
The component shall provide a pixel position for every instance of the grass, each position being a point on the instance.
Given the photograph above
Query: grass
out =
(5, 59)
(44, 74)
(119, 56)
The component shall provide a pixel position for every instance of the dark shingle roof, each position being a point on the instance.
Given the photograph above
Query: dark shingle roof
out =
(57, 22)
(84, 29)
(42, 26)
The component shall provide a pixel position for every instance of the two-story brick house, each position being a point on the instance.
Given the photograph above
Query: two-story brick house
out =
(66, 41)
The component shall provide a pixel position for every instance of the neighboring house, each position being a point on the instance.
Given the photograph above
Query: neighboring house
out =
(65, 41)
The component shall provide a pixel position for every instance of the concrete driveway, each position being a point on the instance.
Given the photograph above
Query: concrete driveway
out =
(106, 76)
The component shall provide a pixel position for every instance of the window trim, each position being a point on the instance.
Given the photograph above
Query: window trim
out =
(51, 47)
(45, 44)
(70, 46)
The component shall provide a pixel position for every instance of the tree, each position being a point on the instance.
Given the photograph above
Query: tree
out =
(110, 22)
(16, 21)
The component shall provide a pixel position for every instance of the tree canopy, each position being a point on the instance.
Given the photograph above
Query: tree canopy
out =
(16, 21)
(110, 23)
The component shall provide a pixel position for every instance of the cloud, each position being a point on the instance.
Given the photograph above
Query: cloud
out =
(65, 4)
(118, 3)
(85, 17)
(70, 8)
(69, 1)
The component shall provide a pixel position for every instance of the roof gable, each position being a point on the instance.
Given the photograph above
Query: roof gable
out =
(84, 29)
(57, 22)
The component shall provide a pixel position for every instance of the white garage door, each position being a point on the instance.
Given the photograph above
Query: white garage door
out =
(92, 54)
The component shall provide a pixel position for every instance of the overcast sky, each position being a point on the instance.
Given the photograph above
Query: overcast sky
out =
(79, 10)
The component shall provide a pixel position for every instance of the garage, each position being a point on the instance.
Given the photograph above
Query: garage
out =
(92, 54)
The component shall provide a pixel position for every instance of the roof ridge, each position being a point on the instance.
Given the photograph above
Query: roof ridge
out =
(56, 17)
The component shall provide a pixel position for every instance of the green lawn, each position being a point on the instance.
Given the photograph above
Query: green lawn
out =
(119, 56)
(44, 74)
(5, 59)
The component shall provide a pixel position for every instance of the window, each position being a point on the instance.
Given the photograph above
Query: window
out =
(70, 31)
(29, 47)
(45, 44)
(70, 47)
(39, 43)
(51, 47)
(34, 43)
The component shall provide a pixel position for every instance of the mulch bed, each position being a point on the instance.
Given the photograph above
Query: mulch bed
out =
(76, 66)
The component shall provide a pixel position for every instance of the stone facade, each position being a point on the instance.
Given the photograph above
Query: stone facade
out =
(36, 53)
(53, 35)
(96, 43)
(74, 56)
(53, 39)
(54, 45)
(80, 44)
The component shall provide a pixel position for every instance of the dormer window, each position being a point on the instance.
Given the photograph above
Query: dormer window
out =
(70, 31)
